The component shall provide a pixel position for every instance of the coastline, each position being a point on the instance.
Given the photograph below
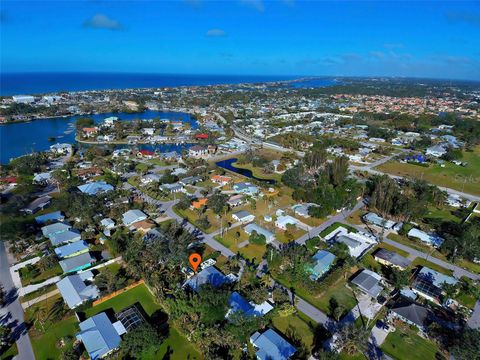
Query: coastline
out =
(124, 142)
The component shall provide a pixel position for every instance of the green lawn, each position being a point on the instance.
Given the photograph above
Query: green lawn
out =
(27, 278)
(138, 294)
(452, 176)
(37, 293)
(9, 353)
(336, 226)
(423, 262)
(175, 347)
(45, 345)
(404, 343)
(302, 328)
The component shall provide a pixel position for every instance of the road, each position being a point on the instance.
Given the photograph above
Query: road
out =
(13, 312)
(340, 217)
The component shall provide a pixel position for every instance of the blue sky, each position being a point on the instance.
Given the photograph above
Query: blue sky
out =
(290, 37)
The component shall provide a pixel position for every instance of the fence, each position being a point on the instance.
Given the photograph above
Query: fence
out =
(118, 292)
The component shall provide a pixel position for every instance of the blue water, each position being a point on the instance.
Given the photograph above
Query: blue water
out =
(23, 138)
(227, 165)
(38, 83)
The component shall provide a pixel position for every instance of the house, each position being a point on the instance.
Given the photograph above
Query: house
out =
(246, 188)
(74, 290)
(99, 336)
(358, 242)
(72, 249)
(379, 221)
(23, 99)
(430, 239)
(179, 171)
(428, 284)
(197, 151)
(76, 263)
(55, 228)
(250, 228)
(143, 226)
(210, 275)
(148, 131)
(146, 154)
(323, 261)
(238, 304)
(37, 205)
(243, 216)
(172, 188)
(302, 209)
(55, 216)
(221, 180)
(61, 149)
(190, 180)
(107, 223)
(150, 178)
(412, 314)
(110, 121)
(235, 200)
(391, 258)
(42, 178)
(271, 346)
(202, 136)
(89, 131)
(369, 282)
(282, 222)
(132, 216)
(437, 150)
(198, 204)
(95, 188)
(68, 236)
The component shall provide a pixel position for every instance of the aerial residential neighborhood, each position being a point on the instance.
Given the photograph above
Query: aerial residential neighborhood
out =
(149, 214)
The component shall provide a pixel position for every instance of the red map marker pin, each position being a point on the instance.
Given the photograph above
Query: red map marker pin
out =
(195, 260)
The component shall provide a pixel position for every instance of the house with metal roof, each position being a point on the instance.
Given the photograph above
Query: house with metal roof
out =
(429, 239)
(302, 209)
(55, 216)
(428, 283)
(271, 346)
(99, 335)
(132, 216)
(323, 261)
(243, 216)
(55, 228)
(210, 275)
(391, 258)
(379, 221)
(246, 188)
(250, 228)
(68, 236)
(282, 222)
(172, 188)
(75, 291)
(237, 303)
(37, 204)
(369, 282)
(95, 188)
(76, 263)
(72, 249)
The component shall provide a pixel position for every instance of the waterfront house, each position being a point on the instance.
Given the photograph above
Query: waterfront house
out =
(428, 284)
(243, 216)
(221, 180)
(55, 216)
(146, 154)
(100, 336)
(282, 222)
(250, 228)
(132, 216)
(61, 149)
(271, 346)
(110, 121)
(197, 151)
(89, 131)
(369, 282)
(95, 188)
(323, 261)
(75, 291)
(72, 249)
(246, 188)
(76, 263)
(391, 258)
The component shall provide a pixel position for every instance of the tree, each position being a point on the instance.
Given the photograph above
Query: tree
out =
(184, 203)
(352, 339)
(83, 122)
(467, 345)
(338, 170)
(203, 222)
(257, 239)
(47, 262)
(399, 278)
(108, 281)
(136, 341)
(217, 202)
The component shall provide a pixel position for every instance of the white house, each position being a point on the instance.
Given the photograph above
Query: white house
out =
(243, 216)
(283, 221)
(437, 150)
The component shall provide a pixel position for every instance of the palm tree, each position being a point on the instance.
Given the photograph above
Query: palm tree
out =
(352, 339)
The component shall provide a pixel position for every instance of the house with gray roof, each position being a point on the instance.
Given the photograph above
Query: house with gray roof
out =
(37, 205)
(95, 188)
(369, 282)
(75, 291)
(243, 216)
(250, 228)
(55, 228)
(391, 258)
(100, 336)
(323, 261)
(412, 314)
(68, 236)
(246, 188)
(76, 263)
(133, 216)
(172, 188)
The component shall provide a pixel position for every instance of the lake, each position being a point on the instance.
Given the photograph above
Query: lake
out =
(228, 165)
(23, 138)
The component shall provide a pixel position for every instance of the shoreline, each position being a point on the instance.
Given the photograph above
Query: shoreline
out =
(121, 142)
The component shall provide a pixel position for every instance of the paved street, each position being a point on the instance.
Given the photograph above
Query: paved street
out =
(13, 312)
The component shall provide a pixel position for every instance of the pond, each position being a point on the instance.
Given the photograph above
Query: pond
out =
(228, 165)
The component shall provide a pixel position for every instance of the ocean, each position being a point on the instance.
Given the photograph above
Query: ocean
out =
(40, 83)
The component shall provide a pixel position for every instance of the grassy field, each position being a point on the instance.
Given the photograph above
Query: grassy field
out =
(423, 262)
(461, 178)
(9, 353)
(27, 278)
(302, 328)
(37, 293)
(175, 347)
(404, 343)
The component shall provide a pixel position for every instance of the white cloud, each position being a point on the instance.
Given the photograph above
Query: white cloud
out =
(101, 21)
(258, 5)
(216, 33)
